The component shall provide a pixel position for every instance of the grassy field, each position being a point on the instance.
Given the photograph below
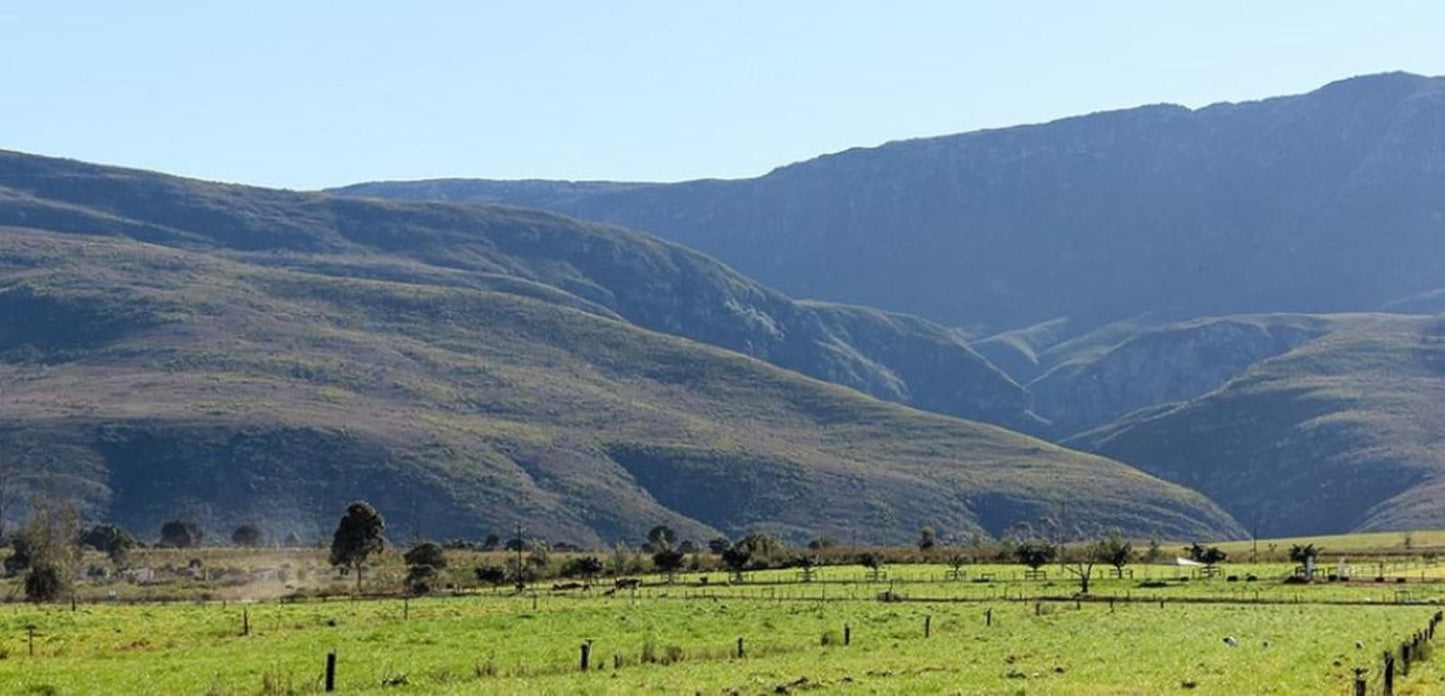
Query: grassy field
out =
(498, 644)
(262, 622)
(1164, 632)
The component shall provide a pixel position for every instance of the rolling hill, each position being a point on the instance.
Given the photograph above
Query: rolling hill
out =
(601, 268)
(179, 348)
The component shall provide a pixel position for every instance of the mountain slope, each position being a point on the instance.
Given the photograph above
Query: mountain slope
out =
(154, 382)
(1095, 378)
(1322, 202)
(172, 347)
(603, 269)
(1339, 433)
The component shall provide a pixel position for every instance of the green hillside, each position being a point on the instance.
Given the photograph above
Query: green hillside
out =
(607, 270)
(230, 383)
(1340, 433)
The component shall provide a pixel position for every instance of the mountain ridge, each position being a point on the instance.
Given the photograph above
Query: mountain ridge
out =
(947, 226)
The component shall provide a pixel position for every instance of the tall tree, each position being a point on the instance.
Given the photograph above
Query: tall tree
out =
(52, 535)
(357, 537)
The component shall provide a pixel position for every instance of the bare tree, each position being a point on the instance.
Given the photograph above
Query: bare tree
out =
(1080, 562)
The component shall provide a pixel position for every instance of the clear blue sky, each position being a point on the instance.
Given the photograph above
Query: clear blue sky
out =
(312, 94)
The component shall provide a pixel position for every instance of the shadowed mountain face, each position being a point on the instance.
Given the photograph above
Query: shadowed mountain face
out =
(1328, 201)
(176, 348)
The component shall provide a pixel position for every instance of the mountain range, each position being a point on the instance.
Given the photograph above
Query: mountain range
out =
(1239, 298)
(1185, 324)
(177, 348)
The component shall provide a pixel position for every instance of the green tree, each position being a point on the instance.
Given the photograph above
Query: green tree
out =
(111, 540)
(248, 536)
(20, 555)
(927, 539)
(1117, 551)
(493, 575)
(668, 561)
(180, 534)
(1035, 553)
(661, 537)
(717, 545)
(426, 553)
(423, 562)
(873, 562)
(736, 559)
(807, 563)
(585, 567)
(957, 560)
(51, 535)
(762, 547)
(357, 537)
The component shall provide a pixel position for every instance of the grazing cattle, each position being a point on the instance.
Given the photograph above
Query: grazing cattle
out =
(627, 583)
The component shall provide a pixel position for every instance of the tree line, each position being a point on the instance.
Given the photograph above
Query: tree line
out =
(48, 548)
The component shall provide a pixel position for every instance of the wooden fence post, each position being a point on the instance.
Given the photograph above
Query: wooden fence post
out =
(988, 617)
(586, 655)
(1359, 681)
(330, 671)
(30, 638)
(1389, 674)
(741, 653)
(847, 634)
(245, 621)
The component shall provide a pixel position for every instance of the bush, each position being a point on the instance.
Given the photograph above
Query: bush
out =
(180, 534)
(428, 554)
(493, 575)
(248, 536)
(587, 567)
(419, 578)
(44, 583)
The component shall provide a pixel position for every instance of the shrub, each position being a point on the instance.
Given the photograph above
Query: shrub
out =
(180, 534)
(44, 583)
(248, 535)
